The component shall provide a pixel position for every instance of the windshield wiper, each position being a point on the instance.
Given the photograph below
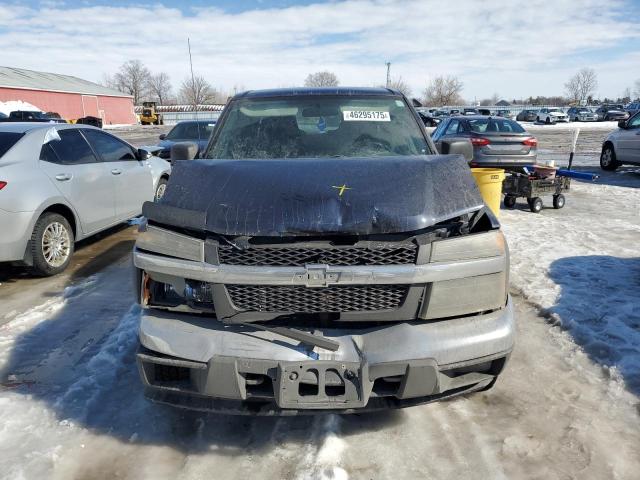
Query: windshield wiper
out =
(304, 337)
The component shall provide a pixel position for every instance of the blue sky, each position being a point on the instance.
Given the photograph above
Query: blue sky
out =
(512, 48)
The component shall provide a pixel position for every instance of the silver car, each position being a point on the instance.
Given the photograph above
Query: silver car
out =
(582, 114)
(496, 141)
(622, 146)
(62, 183)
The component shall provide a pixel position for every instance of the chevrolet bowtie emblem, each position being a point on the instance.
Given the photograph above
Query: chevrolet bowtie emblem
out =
(342, 188)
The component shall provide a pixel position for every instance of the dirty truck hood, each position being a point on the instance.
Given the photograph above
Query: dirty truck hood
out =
(281, 197)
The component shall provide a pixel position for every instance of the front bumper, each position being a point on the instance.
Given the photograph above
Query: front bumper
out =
(199, 363)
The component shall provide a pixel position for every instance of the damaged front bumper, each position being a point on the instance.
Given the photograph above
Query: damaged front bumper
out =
(197, 362)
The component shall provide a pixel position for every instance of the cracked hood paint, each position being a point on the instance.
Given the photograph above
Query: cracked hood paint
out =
(282, 197)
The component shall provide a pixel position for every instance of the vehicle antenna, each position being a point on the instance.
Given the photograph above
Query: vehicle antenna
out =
(195, 99)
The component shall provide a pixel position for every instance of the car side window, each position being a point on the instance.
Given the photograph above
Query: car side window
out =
(452, 128)
(634, 122)
(438, 131)
(109, 148)
(48, 155)
(71, 149)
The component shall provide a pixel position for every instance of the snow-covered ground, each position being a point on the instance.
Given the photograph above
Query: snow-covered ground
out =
(567, 405)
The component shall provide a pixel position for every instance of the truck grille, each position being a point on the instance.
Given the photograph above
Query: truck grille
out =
(300, 299)
(294, 257)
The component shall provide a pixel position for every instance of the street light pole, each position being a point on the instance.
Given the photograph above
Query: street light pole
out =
(388, 64)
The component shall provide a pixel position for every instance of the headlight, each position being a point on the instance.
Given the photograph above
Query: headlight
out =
(166, 242)
(469, 247)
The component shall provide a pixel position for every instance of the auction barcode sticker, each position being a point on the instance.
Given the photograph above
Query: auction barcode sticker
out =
(366, 116)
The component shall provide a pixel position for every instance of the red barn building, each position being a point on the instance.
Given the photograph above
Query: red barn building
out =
(69, 96)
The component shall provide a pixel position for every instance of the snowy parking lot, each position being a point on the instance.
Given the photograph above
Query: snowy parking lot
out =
(567, 405)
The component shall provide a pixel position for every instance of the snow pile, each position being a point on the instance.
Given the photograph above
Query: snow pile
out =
(581, 267)
(13, 105)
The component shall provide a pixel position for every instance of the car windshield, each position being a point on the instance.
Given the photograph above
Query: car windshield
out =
(189, 131)
(8, 140)
(495, 125)
(583, 109)
(555, 110)
(318, 126)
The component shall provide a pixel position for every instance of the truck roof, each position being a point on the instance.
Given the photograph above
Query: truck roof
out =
(304, 91)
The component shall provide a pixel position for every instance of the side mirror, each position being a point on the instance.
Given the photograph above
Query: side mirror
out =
(162, 136)
(622, 124)
(144, 154)
(184, 151)
(457, 147)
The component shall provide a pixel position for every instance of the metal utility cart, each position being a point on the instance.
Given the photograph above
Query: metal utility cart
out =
(519, 184)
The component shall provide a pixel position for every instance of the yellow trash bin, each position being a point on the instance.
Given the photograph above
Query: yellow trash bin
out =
(489, 182)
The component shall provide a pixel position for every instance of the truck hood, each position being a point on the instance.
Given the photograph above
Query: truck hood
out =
(283, 197)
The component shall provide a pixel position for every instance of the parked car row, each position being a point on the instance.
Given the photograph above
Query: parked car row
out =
(61, 183)
(48, 117)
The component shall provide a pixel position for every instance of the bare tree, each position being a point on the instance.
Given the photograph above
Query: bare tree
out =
(581, 85)
(321, 79)
(443, 91)
(400, 85)
(196, 91)
(160, 87)
(132, 78)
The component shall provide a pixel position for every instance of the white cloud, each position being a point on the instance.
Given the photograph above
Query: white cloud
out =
(513, 48)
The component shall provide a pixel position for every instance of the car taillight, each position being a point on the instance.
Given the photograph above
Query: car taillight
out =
(2, 184)
(479, 141)
(530, 142)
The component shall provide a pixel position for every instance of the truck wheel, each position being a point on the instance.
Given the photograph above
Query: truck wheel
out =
(558, 201)
(509, 201)
(52, 244)
(535, 204)
(608, 160)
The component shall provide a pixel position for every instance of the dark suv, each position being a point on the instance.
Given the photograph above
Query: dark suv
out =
(321, 257)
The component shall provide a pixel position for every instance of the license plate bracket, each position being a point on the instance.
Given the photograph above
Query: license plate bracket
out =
(320, 384)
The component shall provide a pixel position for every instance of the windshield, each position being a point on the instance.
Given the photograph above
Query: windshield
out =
(189, 131)
(495, 125)
(555, 110)
(318, 126)
(8, 140)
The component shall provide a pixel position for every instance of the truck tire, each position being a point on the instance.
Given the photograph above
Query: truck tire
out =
(52, 243)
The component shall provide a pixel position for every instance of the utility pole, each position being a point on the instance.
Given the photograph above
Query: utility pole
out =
(388, 64)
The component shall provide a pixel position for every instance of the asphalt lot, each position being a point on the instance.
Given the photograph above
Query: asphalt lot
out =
(69, 387)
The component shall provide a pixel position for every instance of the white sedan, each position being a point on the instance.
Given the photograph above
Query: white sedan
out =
(61, 183)
(551, 115)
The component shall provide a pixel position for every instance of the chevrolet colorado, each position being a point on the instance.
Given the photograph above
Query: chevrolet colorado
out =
(321, 256)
